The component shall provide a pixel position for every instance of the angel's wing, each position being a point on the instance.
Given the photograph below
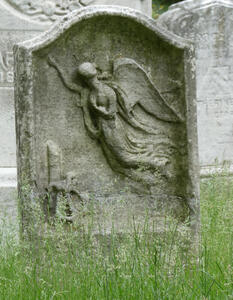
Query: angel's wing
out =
(139, 89)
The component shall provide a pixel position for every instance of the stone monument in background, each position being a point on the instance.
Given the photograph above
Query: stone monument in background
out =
(13, 28)
(19, 21)
(105, 114)
(209, 24)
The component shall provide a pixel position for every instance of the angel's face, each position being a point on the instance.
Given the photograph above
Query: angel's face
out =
(87, 70)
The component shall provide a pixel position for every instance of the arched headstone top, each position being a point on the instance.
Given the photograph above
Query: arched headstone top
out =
(108, 11)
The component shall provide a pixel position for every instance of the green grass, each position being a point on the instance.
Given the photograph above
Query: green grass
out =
(137, 266)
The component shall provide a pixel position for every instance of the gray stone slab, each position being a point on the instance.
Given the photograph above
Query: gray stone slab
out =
(106, 116)
(209, 24)
(20, 21)
(13, 28)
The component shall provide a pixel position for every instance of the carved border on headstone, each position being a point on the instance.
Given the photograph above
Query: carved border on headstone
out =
(24, 73)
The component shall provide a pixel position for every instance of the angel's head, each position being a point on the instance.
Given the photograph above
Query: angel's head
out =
(87, 70)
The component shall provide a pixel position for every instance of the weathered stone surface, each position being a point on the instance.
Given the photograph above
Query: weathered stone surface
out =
(21, 20)
(209, 24)
(105, 114)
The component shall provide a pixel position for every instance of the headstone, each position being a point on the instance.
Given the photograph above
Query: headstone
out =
(13, 28)
(105, 115)
(20, 20)
(209, 24)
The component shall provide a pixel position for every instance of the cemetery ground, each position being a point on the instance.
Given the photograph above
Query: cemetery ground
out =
(72, 265)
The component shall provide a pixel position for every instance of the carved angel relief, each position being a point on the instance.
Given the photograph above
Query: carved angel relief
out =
(47, 10)
(118, 111)
(127, 114)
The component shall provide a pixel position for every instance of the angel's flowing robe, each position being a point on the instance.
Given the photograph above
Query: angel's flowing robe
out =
(133, 137)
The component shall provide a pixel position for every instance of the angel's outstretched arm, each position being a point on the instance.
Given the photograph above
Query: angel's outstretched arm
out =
(66, 78)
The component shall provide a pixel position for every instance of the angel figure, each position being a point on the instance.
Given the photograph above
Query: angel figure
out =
(127, 114)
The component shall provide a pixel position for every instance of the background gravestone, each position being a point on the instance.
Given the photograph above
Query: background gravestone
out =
(209, 24)
(105, 115)
(13, 29)
(20, 20)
